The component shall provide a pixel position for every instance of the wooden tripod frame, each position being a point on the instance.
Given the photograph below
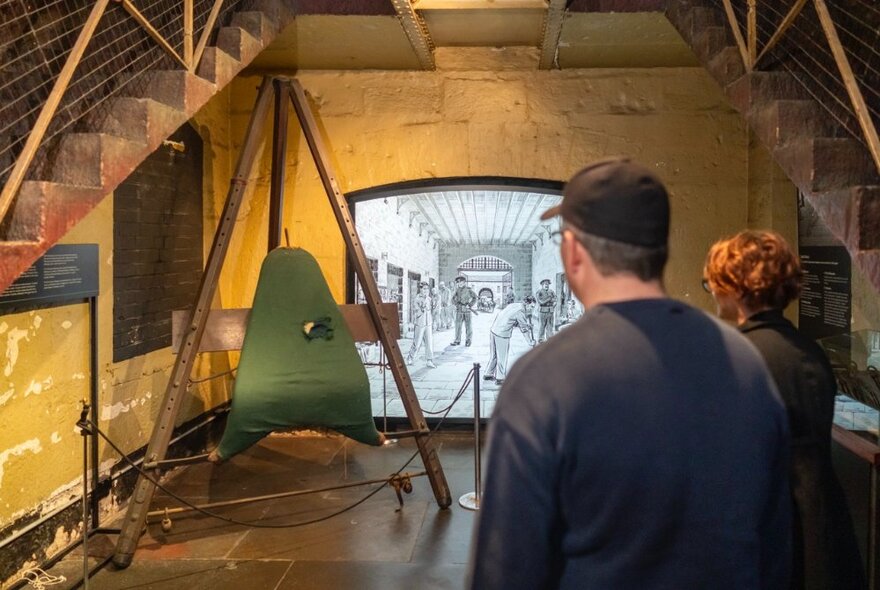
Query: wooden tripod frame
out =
(280, 88)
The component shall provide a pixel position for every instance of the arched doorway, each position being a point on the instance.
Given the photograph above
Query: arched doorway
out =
(492, 279)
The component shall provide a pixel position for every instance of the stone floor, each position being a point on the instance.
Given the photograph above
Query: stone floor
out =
(376, 545)
(437, 387)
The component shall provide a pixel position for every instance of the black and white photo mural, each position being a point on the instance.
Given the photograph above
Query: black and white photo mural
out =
(477, 278)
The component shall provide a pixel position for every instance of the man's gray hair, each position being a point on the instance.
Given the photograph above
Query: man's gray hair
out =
(612, 257)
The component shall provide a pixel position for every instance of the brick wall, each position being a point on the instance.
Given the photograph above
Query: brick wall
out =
(157, 245)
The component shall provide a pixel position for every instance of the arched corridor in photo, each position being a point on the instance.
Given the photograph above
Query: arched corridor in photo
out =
(495, 241)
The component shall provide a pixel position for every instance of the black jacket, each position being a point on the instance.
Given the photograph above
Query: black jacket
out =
(826, 555)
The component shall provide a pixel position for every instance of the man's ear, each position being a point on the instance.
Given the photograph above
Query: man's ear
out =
(572, 257)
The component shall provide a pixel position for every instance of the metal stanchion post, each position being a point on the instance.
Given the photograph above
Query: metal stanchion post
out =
(85, 430)
(471, 500)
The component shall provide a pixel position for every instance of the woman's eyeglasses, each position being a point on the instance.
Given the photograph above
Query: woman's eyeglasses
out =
(556, 237)
(705, 284)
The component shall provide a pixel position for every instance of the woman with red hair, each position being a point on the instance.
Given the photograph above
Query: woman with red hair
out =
(753, 276)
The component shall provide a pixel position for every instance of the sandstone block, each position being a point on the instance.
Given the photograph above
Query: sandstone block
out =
(239, 44)
(96, 159)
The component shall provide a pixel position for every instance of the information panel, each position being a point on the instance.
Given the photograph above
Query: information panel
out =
(66, 272)
(826, 299)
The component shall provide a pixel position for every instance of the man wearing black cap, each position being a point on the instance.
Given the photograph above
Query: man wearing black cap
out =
(464, 299)
(645, 446)
(546, 303)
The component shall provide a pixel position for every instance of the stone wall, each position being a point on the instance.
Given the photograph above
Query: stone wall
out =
(387, 127)
(379, 128)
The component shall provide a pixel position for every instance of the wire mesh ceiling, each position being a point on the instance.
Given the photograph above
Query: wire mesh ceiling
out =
(36, 37)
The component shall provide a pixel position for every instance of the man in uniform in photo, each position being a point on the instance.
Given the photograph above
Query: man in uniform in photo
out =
(546, 303)
(464, 299)
(512, 316)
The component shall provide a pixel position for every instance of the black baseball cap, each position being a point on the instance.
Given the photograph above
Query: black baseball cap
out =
(619, 200)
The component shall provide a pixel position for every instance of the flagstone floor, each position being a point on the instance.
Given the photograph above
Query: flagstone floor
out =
(376, 545)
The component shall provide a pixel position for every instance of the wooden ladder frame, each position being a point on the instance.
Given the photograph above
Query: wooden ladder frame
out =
(279, 88)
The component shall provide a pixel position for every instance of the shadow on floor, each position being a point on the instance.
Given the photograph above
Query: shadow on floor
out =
(376, 545)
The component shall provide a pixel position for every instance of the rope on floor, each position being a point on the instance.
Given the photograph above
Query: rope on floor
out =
(208, 513)
(38, 579)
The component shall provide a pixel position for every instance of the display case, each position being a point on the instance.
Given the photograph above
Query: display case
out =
(855, 358)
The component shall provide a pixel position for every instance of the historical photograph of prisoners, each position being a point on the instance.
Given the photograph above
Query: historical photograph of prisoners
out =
(477, 278)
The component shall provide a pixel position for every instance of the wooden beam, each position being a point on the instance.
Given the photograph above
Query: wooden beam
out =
(424, 213)
(279, 163)
(752, 24)
(855, 444)
(382, 321)
(783, 27)
(151, 30)
(849, 80)
(23, 163)
(136, 514)
(477, 217)
(510, 198)
(464, 218)
(495, 206)
(225, 328)
(550, 37)
(525, 198)
(531, 215)
(206, 33)
(460, 234)
(188, 33)
(737, 34)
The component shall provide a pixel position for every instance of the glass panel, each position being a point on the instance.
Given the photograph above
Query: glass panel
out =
(855, 358)
(493, 240)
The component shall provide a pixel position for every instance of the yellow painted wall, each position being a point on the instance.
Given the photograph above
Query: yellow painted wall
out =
(385, 127)
(380, 127)
(45, 372)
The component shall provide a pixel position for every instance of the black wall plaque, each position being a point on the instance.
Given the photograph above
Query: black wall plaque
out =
(66, 272)
(826, 300)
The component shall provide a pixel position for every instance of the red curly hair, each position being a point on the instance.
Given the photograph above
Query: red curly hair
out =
(756, 267)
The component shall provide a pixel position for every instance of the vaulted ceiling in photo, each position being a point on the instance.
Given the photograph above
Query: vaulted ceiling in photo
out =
(480, 218)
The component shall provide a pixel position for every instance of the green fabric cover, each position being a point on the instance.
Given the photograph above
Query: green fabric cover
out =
(287, 378)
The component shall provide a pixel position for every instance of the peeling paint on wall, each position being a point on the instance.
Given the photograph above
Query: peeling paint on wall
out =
(66, 324)
(7, 395)
(32, 445)
(38, 387)
(55, 438)
(110, 412)
(12, 340)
